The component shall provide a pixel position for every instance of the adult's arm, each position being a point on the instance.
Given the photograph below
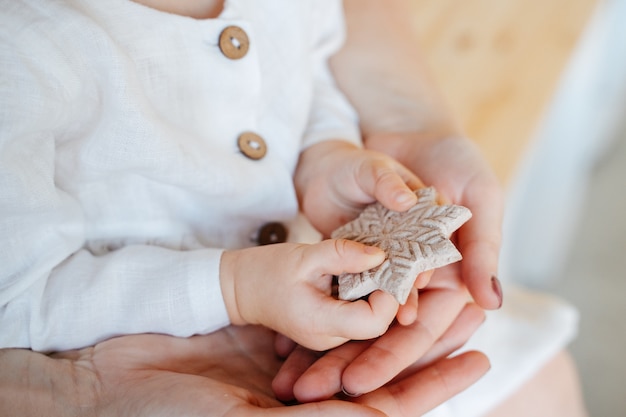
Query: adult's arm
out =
(402, 113)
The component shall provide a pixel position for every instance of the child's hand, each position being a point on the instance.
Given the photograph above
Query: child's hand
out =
(287, 287)
(335, 180)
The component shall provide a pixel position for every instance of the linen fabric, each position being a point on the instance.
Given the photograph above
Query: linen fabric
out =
(120, 175)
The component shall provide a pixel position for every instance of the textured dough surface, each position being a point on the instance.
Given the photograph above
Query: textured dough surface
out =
(414, 241)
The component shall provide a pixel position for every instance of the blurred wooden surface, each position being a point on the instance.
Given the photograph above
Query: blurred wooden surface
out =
(498, 63)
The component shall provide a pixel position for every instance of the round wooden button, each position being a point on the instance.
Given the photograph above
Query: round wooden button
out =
(234, 42)
(252, 145)
(272, 233)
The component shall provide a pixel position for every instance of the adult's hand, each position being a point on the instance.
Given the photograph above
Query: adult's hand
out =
(403, 114)
(445, 322)
(225, 373)
(456, 168)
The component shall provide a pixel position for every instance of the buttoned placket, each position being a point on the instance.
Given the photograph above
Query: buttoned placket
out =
(234, 44)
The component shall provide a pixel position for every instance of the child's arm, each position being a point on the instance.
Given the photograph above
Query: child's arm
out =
(82, 299)
(287, 287)
(55, 293)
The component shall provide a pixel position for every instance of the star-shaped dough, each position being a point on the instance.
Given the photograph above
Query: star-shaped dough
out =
(414, 241)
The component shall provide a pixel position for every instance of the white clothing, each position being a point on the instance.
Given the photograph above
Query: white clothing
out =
(120, 176)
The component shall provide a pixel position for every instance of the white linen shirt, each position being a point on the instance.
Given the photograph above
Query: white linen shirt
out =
(121, 181)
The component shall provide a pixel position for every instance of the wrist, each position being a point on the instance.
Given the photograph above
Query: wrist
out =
(228, 264)
(316, 160)
(415, 148)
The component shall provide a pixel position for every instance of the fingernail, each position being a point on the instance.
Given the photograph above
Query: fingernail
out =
(405, 197)
(371, 250)
(348, 394)
(497, 289)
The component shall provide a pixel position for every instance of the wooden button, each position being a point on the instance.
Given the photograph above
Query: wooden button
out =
(234, 42)
(252, 145)
(272, 233)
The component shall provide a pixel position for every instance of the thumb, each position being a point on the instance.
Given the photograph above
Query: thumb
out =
(389, 182)
(359, 319)
(342, 255)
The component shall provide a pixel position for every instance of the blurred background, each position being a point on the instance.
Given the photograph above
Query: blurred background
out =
(541, 87)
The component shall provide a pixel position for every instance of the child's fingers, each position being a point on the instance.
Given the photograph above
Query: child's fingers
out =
(361, 320)
(407, 313)
(336, 322)
(340, 255)
(346, 319)
(423, 279)
(390, 183)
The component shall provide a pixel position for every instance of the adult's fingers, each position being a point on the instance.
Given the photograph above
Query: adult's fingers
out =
(426, 389)
(323, 375)
(479, 242)
(407, 313)
(403, 345)
(283, 345)
(296, 364)
(366, 366)
(328, 408)
(321, 379)
(466, 323)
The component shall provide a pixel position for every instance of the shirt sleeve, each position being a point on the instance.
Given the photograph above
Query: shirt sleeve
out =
(54, 294)
(332, 116)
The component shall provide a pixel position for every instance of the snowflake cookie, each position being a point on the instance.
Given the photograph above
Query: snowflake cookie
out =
(415, 241)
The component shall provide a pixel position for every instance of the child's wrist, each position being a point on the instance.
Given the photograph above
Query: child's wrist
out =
(227, 284)
(316, 160)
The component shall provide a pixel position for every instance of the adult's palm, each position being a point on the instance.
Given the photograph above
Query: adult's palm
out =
(229, 372)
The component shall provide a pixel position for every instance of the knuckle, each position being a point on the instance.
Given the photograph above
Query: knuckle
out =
(341, 247)
(385, 177)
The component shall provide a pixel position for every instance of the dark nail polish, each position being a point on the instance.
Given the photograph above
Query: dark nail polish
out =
(348, 394)
(497, 289)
